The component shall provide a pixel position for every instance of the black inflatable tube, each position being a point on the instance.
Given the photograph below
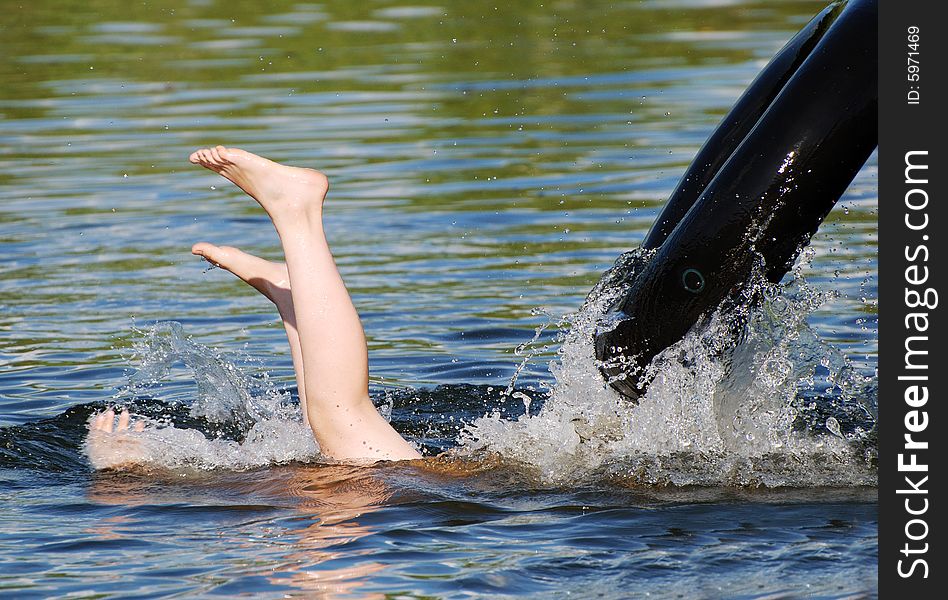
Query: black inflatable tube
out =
(734, 127)
(752, 195)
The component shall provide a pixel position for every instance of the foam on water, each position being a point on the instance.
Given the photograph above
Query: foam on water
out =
(240, 421)
(751, 398)
(719, 410)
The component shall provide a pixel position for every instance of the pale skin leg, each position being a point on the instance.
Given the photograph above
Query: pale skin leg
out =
(273, 281)
(112, 444)
(326, 339)
(332, 343)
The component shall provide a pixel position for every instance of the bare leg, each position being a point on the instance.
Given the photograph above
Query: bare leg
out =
(335, 360)
(114, 445)
(273, 281)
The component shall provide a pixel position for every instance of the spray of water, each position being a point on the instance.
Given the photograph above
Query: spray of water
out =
(234, 421)
(752, 397)
(738, 401)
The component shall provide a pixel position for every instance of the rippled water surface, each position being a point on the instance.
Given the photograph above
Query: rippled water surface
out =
(488, 162)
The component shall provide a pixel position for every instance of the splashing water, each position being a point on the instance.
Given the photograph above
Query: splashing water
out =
(733, 403)
(225, 395)
(751, 398)
(237, 421)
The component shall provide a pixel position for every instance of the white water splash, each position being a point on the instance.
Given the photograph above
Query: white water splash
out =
(227, 400)
(714, 414)
(163, 445)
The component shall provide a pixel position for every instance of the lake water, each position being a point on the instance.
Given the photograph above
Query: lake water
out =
(488, 162)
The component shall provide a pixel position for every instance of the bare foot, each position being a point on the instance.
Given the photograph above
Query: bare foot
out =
(286, 193)
(269, 278)
(112, 445)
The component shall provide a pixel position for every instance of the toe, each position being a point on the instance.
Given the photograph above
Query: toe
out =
(215, 156)
(202, 249)
(194, 158)
(210, 252)
(224, 155)
(108, 419)
(233, 155)
(123, 420)
(139, 426)
(233, 259)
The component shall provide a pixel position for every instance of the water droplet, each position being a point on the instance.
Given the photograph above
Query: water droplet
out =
(833, 425)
